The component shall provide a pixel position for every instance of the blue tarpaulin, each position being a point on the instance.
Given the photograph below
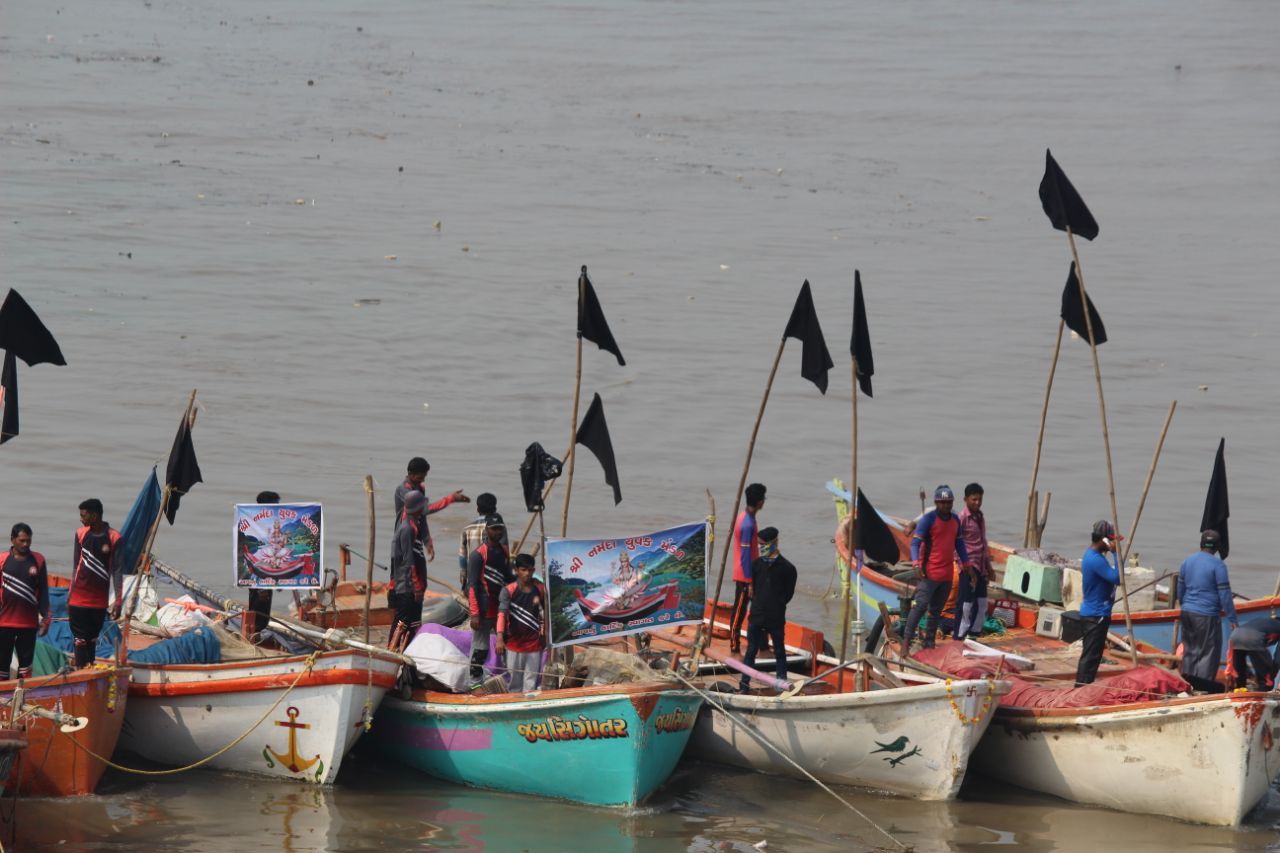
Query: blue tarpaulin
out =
(199, 645)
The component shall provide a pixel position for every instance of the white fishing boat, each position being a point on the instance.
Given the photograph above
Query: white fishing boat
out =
(1206, 759)
(297, 716)
(913, 740)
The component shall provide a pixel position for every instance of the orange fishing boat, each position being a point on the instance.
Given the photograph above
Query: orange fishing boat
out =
(57, 762)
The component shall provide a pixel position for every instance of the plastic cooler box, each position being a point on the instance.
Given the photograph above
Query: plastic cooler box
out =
(1032, 580)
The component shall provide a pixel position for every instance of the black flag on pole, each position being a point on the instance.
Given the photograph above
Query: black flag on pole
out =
(815, 360)
(591, 322)
(183, 471)
(1073, 314)
(22, 333)
(1062, 204)
(9, 398)
(860, 342)
(871, 535)
(593, 434)
(538, 467)
(1216, 510)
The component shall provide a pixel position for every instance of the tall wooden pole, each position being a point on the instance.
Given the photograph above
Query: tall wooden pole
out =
(853, 521)
(368, 571)
(1106, 440)
(1044, 416)
(742, 483)
(573, 425)
(143, 566)
(1151, 473)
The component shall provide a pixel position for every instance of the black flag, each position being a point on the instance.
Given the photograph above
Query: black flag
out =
(1073, 314)
(22, 333)
(591, 322)
(1216, 510)
(872, 535)
(593, 434)
(183, 471)
(1062, 204)
(538, 467)
(860, 343)
(815, 361)
(9, 398)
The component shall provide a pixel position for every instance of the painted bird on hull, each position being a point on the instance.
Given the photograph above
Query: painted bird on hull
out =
(893, 746)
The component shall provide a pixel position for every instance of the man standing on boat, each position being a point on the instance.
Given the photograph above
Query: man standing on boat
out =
(935, 546)
(254, 620)
(473, 534)
(488, 571)
(1205, 593)
(24, 601)
(773, 583)
(971, 599)
(92, 578)
(408, 570)
(521, 626)
(1099, 579)
(746, 548)
(415, 480)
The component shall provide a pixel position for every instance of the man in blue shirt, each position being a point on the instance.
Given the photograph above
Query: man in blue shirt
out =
(1205, 593)
(1099, 579)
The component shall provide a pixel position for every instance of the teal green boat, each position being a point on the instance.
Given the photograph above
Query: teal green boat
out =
(606, 745)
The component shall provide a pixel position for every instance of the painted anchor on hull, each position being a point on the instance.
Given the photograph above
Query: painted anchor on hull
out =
(292, 759)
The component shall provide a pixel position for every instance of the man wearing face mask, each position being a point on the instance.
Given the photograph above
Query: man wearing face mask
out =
(773, 583)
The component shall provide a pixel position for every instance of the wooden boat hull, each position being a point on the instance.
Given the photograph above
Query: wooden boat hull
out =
(53, 765)
(610, 745)
(914, 741)
(1205, 759)
(181, 713)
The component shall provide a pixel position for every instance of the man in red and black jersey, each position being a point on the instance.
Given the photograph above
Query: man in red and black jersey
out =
(521, 626)
(24, 601)
(92, 578)
(488, 571)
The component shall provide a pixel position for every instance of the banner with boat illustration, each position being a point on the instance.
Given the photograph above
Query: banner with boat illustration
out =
(610, 587)
(279, 546)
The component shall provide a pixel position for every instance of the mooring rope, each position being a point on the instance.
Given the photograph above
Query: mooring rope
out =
(307, 667)
(764, 741)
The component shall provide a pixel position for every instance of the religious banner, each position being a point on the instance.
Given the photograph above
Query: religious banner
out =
(610, 587)
(279, 546)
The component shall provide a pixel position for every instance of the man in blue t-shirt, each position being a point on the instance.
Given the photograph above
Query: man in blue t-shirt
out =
(1099, 579)
(1205, 593)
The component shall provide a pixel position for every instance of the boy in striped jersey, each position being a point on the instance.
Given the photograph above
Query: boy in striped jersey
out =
(92, 577)
(24, 601)
(521, 637)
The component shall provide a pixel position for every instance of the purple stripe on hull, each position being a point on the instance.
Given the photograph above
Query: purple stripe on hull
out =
(430, 737)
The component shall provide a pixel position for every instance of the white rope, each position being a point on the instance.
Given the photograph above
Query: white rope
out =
(766, 744)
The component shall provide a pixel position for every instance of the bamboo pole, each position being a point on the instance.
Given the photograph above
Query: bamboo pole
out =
(573, 426)
(1044, 417)
(853, 520)
(1106, 436)
(742, 484)
(368, 569)
(703, 634)
(143, 566)
(1151, 473)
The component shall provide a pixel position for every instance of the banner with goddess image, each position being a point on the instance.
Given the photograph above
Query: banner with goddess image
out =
(278, 546)
(610, 587)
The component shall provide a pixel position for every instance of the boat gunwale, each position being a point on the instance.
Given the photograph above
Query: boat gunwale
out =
(248, 663)
(458, 702)
(1188, 703)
